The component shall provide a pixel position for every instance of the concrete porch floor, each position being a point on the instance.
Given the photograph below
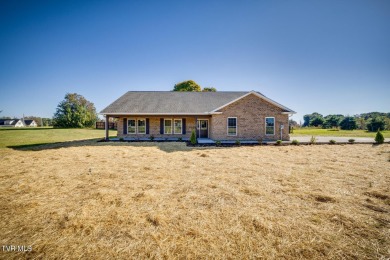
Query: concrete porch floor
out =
(210, 141)
(205, 141)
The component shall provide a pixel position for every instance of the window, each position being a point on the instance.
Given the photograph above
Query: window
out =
(270, 125)
(178, 126)
(131, 127)
(141, 126)
(232, 126)
(167, 126)
(203, 125)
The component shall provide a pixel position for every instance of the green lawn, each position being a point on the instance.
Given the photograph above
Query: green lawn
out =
(30, 136)
(332, 132)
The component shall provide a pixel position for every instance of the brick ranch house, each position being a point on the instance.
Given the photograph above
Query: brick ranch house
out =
(221, 115)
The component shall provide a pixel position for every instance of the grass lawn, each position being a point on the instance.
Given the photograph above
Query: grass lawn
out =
(170, 201)
(32, 136)
(337, 133)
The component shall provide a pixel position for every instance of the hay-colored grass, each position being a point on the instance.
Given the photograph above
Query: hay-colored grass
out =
(168, 201)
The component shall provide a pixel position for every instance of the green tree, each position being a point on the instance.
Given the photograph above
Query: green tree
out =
(317, 121)
(361, 122)
(47, 122)
(75, 112)
(387, 123)
(188, 85)
(332, 121)
(348, 123)
(313, 119)
(376, 123)
(210, 89)
(306, 120)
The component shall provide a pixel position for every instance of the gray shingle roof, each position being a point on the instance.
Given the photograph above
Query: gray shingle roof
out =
(170, 102)
(14, 121)
(28, 121)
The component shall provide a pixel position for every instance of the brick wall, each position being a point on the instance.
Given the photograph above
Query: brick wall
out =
(251, 112)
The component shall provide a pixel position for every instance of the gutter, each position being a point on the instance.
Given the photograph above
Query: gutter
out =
(162, 114)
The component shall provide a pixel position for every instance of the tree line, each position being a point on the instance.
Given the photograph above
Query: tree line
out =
(372, 121)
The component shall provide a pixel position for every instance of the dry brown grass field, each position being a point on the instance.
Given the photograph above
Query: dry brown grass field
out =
(167, 201)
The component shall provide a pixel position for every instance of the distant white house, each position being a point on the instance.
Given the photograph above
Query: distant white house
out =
(11, 122)
(30, 123)
(18, 123)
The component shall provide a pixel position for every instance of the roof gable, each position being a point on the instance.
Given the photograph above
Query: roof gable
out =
(261, 96)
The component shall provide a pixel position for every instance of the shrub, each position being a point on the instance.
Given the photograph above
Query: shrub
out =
(332, 141)
(278, 142)
(260, 140)
(193, 137)
(151, 137)
(379, 139)
(218, 143)
(313, 140)
(121, 139)
(351, 141)
(180, 139)
(238, 142)
(295, 142)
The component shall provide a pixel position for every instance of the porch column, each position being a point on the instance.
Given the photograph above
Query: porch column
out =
(197, 134)
(106, 126)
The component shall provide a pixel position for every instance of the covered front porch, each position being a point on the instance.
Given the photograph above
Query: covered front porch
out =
(158, 127)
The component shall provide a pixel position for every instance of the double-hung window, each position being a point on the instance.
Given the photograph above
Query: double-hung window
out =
(141, 126)
(177, 126)
(270, 125)
(136, 126)
(232, 126)
(131, 126)
(167, 126)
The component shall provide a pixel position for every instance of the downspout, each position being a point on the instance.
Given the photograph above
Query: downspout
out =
(281, 131)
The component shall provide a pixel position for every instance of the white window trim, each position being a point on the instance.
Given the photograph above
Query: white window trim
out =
(127, 125)
(168, 119)
(265, 124)
(227, 126)
(137, 125)
(181, 124)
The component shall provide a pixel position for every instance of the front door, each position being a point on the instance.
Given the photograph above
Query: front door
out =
(202, 128)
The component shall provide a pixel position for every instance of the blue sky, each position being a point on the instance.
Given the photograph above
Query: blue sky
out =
(324, 56)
